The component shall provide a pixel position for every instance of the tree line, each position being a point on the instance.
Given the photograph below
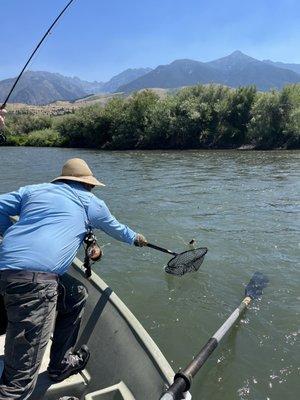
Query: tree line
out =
(198, 117)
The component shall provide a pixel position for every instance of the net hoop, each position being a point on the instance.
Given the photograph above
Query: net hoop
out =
(187, 261)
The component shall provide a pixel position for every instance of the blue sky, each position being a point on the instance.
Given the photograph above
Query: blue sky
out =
(97, 39)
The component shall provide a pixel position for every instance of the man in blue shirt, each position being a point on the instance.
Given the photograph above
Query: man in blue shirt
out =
(35, 254)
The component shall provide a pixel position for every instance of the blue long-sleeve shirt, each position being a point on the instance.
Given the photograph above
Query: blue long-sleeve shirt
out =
(53, 220)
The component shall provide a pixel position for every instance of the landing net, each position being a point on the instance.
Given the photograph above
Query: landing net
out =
(188, 261)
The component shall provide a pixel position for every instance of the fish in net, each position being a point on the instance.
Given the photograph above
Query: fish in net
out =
(188, 261)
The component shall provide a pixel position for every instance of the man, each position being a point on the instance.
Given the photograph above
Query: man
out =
(34, 256)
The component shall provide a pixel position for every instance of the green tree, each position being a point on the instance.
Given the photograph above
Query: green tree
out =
(233, 114)
(292, 127)
(23, 123)
(129, 128)
(203, 116)
(85, 128)
(270, 115)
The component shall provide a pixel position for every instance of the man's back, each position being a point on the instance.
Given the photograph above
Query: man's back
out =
(51, 227)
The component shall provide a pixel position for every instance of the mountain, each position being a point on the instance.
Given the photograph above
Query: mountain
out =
(234, 70)
(39, 87)
(178, 73)
(235, 60)
(242, 70)
(292, 67)
(42, 88)
(124, 78)
(88, 87)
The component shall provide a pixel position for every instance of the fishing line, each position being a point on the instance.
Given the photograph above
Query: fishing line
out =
(34, 51)
(176, 233)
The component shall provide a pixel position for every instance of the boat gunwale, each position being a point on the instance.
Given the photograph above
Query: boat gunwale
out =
(136, 327)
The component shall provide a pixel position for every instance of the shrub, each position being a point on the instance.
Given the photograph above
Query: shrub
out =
(203, 116)
(40, 138)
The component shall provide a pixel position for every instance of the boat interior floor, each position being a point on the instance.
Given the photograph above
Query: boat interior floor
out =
(75, 385)
(45, 389)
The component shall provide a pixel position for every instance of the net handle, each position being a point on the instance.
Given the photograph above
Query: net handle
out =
(153, 246)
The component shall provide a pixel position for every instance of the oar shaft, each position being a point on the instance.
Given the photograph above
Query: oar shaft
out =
(231, 320)
(183, 379)
(153, 246)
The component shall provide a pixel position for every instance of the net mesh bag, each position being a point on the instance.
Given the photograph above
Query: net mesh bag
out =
(188, 261)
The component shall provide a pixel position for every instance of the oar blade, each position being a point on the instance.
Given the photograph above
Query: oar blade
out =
(255, 287)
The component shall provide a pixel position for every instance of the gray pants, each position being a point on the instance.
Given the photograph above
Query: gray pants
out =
(31, 300)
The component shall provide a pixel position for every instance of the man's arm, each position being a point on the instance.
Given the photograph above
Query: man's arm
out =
(101, 218)
(10, 205)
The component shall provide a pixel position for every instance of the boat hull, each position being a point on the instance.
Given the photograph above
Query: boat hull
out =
(121, 349)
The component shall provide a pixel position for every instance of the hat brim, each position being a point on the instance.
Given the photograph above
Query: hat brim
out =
(90, 180)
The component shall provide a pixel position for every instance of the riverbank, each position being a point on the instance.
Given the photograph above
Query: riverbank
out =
(199, 117)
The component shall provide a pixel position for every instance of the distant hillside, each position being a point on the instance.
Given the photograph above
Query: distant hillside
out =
(291, 67)
(124, 78)
(237, 69)
(88, 87)
(62, 107)
(42, 88)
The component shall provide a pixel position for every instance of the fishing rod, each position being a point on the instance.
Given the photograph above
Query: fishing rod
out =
(183, 379)
(2, 136)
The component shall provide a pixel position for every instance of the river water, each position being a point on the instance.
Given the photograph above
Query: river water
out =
(244, 206)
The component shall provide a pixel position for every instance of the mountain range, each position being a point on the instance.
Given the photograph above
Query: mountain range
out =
(40, 87)
(236, 69)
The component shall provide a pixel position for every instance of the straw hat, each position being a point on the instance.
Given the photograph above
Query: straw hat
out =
(77, 170)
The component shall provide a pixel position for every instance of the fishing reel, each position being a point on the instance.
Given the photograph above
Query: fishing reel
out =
(93, 252)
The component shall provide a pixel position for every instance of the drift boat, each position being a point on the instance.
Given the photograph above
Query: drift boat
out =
(125, 363)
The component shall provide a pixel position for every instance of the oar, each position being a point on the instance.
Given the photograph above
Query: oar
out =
(183, 379)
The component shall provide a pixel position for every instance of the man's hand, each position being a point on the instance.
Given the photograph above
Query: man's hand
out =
(2, 118)
(140, 240)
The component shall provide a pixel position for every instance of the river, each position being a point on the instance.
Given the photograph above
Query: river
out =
(244, 206)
